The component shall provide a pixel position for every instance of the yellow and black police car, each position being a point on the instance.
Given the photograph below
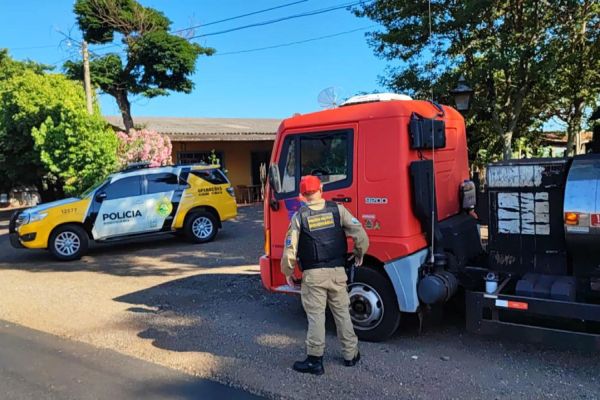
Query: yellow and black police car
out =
(192, 199)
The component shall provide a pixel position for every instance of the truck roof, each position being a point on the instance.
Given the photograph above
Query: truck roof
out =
(365, 111)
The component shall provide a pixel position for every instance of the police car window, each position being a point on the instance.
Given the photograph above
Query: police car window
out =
(89, 190)
(125, 187)
(163, 182)
(325, 156)
(213, 176)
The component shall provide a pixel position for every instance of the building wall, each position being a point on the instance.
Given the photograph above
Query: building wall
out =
(236, 156)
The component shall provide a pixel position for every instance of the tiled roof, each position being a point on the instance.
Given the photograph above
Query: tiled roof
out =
(561, 137)
(206, 129)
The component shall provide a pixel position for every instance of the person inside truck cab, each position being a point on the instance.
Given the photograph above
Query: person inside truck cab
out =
(317, 238)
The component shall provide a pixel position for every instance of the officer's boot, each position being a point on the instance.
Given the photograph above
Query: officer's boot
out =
(312, 365)
(354, 361)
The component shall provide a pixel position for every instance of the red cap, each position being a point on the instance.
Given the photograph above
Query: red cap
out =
(309, 184)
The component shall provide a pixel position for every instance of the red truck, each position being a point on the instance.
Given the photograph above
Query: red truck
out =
(401, 167)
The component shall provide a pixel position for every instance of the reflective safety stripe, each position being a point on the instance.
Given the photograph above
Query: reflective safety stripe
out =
(517, 305)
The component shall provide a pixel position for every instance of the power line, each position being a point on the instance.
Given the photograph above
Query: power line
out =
(60, 61)
(293, 43)
(306, 14)
(289, 17)
(239, 16)
(225, 20)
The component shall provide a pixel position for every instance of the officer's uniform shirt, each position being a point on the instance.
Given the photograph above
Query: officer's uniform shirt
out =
(351, 226)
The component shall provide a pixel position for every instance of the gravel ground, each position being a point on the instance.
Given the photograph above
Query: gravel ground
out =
(202, 309)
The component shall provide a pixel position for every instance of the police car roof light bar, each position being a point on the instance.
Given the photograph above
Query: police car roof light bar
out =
(135, 166)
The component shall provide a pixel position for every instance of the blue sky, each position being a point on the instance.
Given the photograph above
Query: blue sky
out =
(273, 83)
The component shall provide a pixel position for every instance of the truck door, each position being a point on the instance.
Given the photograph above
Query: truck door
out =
(328, 154)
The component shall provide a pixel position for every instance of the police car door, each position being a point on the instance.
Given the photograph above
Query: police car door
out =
(121, 208)
(163, 192)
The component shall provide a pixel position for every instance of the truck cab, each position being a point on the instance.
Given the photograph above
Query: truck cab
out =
(380, 157)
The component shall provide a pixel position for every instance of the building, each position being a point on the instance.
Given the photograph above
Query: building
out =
(555, 143)
(241, 144)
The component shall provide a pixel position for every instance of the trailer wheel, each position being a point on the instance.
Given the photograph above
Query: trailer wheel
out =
(373, 305)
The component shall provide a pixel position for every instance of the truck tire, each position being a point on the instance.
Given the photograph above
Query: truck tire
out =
(373, 305)
(68, 242)
(201, 227)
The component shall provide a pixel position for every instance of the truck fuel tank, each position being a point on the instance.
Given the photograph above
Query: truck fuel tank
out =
(582, 215)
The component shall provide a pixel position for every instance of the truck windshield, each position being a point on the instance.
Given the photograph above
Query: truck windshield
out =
(327, 155)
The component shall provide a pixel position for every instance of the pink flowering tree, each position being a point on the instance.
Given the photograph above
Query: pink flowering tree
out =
(144, 145)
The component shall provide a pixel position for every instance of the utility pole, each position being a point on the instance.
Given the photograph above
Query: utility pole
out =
(86, 76)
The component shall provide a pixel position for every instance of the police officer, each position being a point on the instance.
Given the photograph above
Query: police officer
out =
(317, 237)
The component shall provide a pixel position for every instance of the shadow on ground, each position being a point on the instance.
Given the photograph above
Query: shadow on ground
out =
(203, 312)
(230, 315)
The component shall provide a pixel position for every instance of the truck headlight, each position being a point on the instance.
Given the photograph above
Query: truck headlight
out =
(231, 191)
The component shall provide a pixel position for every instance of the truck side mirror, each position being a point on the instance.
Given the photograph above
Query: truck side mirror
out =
(468, 195)
(274, 178)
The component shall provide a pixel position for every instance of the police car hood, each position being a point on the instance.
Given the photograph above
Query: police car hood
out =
(46, 206)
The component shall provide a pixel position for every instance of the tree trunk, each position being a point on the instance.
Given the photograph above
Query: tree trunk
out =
(574, 128)
(507, 145)
(125, 108)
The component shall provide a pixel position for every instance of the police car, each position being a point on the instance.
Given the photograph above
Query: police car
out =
(191, 199)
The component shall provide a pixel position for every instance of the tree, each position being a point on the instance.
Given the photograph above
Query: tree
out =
(154, 61)
(47, 139)
(504, 48)
(17, 145)
(575, 85)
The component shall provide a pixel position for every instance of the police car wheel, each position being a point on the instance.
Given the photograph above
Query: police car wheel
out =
(201, 227)
(68, 242)
(373, 305)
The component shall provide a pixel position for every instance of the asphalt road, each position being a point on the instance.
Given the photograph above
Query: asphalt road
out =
(39, 366)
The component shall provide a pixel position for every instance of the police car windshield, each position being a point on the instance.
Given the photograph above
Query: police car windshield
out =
(90, 190)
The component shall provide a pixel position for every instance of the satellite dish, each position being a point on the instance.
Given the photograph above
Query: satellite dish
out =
(329, 97)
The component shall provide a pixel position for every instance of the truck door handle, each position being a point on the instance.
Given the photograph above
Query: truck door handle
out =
(342, 199)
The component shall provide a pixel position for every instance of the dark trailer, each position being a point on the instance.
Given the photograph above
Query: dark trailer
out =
(541, 281)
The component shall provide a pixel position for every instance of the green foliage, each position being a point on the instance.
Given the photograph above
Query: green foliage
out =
(78, 149)
(10, 67)
(101, 19)
(213, 158)
(574, 88)
(46, 136)
(510, 53)
(155, 61)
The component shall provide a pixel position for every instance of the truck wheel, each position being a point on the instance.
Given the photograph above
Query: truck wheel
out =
(68, 242)
(201, 227)
(373, 305)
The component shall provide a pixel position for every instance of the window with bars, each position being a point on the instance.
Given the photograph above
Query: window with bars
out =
(196, 157)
